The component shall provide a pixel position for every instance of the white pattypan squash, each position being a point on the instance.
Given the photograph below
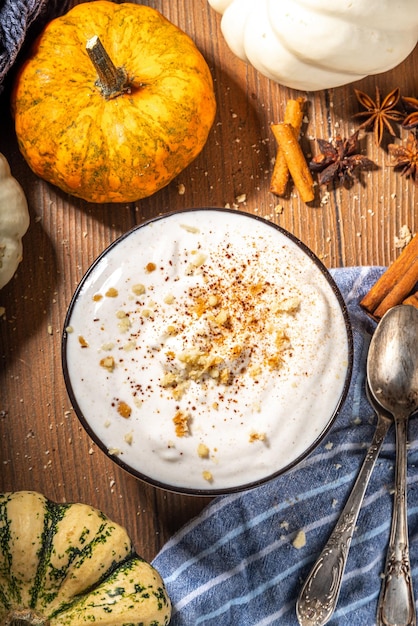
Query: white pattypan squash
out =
(14, 222)
(319, 44)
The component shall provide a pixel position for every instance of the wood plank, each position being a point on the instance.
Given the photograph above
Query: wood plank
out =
(42, 445)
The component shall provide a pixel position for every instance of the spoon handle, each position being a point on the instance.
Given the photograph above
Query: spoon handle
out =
(319, 595)
(396, 606)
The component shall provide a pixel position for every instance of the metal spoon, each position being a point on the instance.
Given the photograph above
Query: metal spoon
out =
(319, 595)
(392, 372)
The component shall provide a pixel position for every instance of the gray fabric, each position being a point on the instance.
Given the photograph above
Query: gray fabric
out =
(18, 21)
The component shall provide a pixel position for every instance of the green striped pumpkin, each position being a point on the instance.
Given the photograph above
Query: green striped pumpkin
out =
(70, 565)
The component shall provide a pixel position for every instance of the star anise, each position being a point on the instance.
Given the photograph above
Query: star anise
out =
(405, 157)
(339, 160)
(411, 107)
(379, 112)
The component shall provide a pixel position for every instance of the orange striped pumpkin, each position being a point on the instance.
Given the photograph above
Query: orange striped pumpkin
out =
(113, 102)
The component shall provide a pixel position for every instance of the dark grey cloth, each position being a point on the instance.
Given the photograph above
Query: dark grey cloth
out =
(20, 19)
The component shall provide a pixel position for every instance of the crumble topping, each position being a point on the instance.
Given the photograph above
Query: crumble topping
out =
(181, 423)
(83, 343)
(257, 437)
(108, 362)
(124, 409)
(203, 451)
(208, 476)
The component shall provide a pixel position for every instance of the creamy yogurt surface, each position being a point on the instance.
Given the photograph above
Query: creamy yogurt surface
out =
(206, 350)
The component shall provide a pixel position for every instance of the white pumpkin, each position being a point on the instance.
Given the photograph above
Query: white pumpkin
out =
(14, 222)
(319, 44)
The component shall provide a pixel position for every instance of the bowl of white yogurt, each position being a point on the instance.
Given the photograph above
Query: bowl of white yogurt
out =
(207, 351)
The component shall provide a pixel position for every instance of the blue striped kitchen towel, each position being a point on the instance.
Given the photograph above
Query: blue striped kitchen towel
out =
(236, 563)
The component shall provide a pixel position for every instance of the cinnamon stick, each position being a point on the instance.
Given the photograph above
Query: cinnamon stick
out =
(396, 282)
(399, 292)
(295, 159)
(412, 300)
(293, 115)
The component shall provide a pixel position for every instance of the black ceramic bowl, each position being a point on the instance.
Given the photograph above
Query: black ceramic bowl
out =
(207, 351)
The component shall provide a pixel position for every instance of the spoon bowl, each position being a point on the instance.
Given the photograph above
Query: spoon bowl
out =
(392, 366)
(392, 374)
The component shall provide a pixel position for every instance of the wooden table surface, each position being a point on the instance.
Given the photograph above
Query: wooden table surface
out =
(42, 445)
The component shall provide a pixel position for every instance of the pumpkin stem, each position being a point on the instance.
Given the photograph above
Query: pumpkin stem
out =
(113, 81)
(24, 617)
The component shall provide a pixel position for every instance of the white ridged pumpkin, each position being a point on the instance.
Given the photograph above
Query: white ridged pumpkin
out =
(70, 565)
(14, 222)
(319, 44)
